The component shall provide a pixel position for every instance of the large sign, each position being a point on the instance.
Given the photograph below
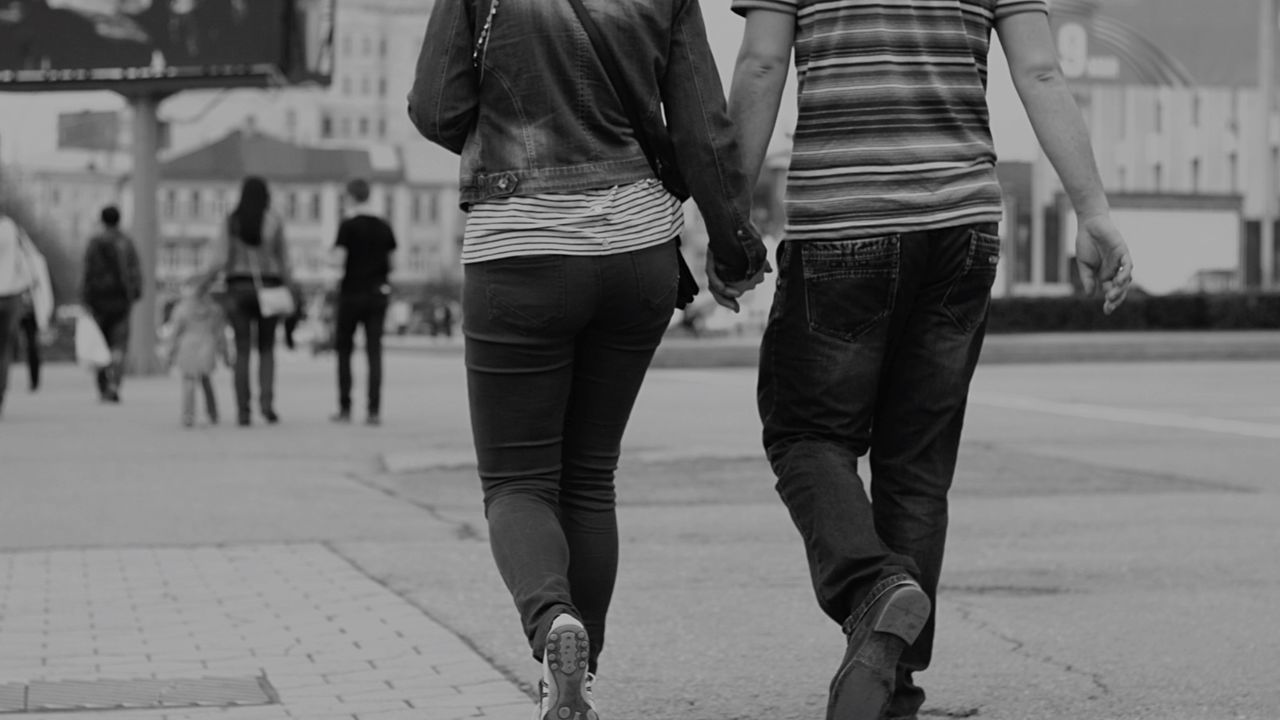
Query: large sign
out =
(79, 44)
(1158, 42)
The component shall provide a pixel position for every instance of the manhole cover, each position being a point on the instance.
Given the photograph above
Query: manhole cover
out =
(42, 696)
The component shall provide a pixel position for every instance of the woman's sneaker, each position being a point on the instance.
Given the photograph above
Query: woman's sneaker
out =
(565, 689)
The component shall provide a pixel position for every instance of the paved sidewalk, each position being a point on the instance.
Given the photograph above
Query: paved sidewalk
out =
(331, 642)
(132, 549)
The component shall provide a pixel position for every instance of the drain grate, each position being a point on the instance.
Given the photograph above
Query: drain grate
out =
(45, 696)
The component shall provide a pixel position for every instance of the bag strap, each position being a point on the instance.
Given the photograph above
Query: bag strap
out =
(630, 103)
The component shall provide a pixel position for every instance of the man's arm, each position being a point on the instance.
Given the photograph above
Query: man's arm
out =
(759, 77)
(1101, 252)
(755, 95)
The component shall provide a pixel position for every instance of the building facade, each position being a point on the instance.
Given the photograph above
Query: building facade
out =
(200, 188)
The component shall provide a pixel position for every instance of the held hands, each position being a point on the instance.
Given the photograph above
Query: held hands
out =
(1104, 261)
(726, 294)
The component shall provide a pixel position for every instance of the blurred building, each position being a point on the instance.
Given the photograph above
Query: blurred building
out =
(375, 53)
(415, 190)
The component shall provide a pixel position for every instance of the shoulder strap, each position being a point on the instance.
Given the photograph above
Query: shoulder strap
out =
(662, 167)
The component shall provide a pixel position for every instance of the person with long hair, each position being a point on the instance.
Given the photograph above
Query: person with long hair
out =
(571, 273)
(251, 253)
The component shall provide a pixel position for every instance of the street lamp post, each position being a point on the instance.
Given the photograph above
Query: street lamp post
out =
(1267, 27)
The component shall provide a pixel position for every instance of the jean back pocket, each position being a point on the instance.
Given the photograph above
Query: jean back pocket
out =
(850, 284)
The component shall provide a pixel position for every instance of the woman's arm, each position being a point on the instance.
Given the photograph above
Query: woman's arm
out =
(444, 101)
(706, 143)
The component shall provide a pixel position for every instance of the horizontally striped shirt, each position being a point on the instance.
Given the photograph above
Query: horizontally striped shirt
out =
(595, 222)
(893, 133)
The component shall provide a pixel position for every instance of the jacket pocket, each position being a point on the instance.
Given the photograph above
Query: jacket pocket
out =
(525, 293)
(969, 297)
(850, 284)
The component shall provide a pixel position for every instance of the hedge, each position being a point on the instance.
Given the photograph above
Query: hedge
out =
(1234, 311)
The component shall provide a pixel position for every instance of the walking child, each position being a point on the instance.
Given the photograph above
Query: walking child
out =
(199, 339)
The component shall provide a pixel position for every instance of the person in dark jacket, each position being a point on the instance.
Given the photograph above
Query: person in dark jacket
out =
(571, 263)
(365, 243)
(112, 284)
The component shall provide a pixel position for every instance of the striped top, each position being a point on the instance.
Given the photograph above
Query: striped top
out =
(893, 133)
(594, 222)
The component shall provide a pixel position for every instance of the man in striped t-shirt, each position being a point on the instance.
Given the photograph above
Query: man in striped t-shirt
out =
(884, 281)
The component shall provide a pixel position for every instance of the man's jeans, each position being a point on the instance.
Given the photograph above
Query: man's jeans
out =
(870, 347)
(369, 310)
(556, 350)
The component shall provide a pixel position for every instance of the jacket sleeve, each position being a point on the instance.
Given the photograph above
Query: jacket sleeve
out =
(706, 143)
(444, 101)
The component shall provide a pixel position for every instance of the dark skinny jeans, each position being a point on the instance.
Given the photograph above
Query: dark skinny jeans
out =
(252, 329)
(556, 350)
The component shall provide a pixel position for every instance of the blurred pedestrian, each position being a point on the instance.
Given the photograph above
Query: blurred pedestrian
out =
(572, 272)
(884, 283)
(112, 284)
(17, 277)
(252, 255)
(364, 247)
(37, 311)
(198, 341)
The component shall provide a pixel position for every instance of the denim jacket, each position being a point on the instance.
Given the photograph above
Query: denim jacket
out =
(533, 111)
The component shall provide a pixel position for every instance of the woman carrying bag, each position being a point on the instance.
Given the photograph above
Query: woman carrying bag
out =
(251, 253)
(571, 271)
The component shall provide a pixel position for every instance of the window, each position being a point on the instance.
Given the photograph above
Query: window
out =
(317, 206)
(326, 126)
(364, 127)
(1123, 175)
(197, 209)
(382, 87)
(1195, 175)
(366, 86)
(169, 209)
(1195, 110)
(291, 206)
(382, 47)
(291, 121)
(382, 127)
(1157, 176)
(1233, 171)
(433, 207)
(415, 208)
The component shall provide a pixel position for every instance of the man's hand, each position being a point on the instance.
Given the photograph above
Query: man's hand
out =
(726, 294)
(1104, 261)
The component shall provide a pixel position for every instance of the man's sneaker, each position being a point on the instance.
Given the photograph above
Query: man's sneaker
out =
(564, 693)
(879, 631)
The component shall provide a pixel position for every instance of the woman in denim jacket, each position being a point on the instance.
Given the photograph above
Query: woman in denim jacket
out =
(570, 260)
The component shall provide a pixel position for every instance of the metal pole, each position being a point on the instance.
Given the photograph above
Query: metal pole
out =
(1267, 85)
(143, 359)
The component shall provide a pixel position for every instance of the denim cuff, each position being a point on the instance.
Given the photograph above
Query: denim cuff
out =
(876, 593)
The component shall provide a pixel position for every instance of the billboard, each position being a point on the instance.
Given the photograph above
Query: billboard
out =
(1158, 42)
(172, 44)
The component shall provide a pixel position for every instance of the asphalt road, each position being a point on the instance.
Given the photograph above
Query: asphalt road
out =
(1112, 555)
